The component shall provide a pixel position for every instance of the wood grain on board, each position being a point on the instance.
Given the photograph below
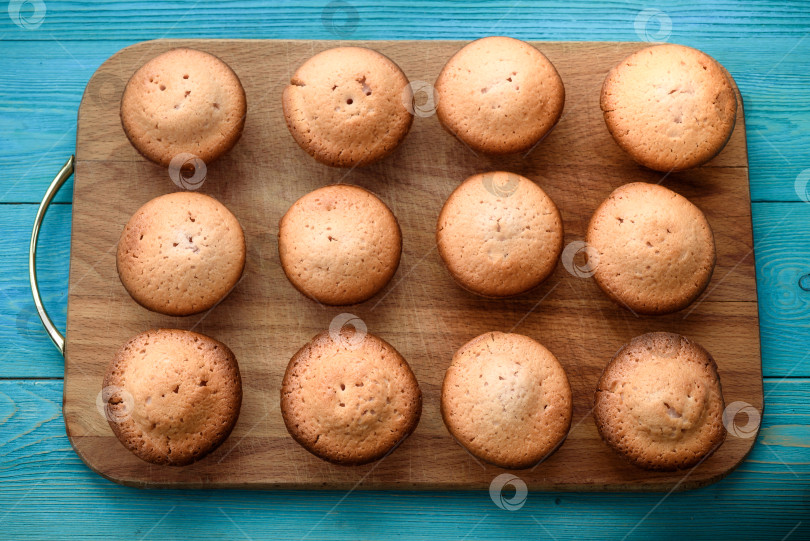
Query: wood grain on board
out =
(421, 312)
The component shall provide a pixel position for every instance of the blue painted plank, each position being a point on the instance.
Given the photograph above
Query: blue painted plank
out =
(401, 19)
(25, 349)
(782, 249)
(47, 491)
(38, 125)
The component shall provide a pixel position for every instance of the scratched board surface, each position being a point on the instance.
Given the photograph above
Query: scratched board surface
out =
(421, 312)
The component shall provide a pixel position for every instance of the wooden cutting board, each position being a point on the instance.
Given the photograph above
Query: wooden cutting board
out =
(421, 312)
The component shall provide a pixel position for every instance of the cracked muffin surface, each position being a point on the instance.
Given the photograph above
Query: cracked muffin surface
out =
(183, 101)
(339, 244)
(349, 397)
(172, 396)
(499, 234)
(659, 402)
(181, 253)
(499, 95)
(669, 107)
(653, 250)
(347, 106)
(507, 400)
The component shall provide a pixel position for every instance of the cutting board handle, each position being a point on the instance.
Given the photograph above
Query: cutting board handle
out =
(57, 337)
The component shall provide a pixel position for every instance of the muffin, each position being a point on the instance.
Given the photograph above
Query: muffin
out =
(655, 249)
(499, 95)
(183, 101)
(349, 398)
(669, 107)
(347, 106)
(171, 396)
(507, 400)
(339, 244)
(659, 403)
(499, 234)
(181, 253)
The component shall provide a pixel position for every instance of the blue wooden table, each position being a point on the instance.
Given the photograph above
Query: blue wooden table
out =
(50, 48)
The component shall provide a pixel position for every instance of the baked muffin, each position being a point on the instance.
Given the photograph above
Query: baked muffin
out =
(499, 95)
(349, 398)
(183, 101)
(655, 249)
(339, 244)
(659, 403)
(499, 234)
(171, 396)
(347, 106)
(181, 253)
(669, 107)
(507, 400)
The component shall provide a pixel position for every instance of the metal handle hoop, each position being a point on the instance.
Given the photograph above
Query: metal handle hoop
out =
(57, 337)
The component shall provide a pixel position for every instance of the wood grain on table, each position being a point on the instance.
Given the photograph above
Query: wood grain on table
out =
(46, 491)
